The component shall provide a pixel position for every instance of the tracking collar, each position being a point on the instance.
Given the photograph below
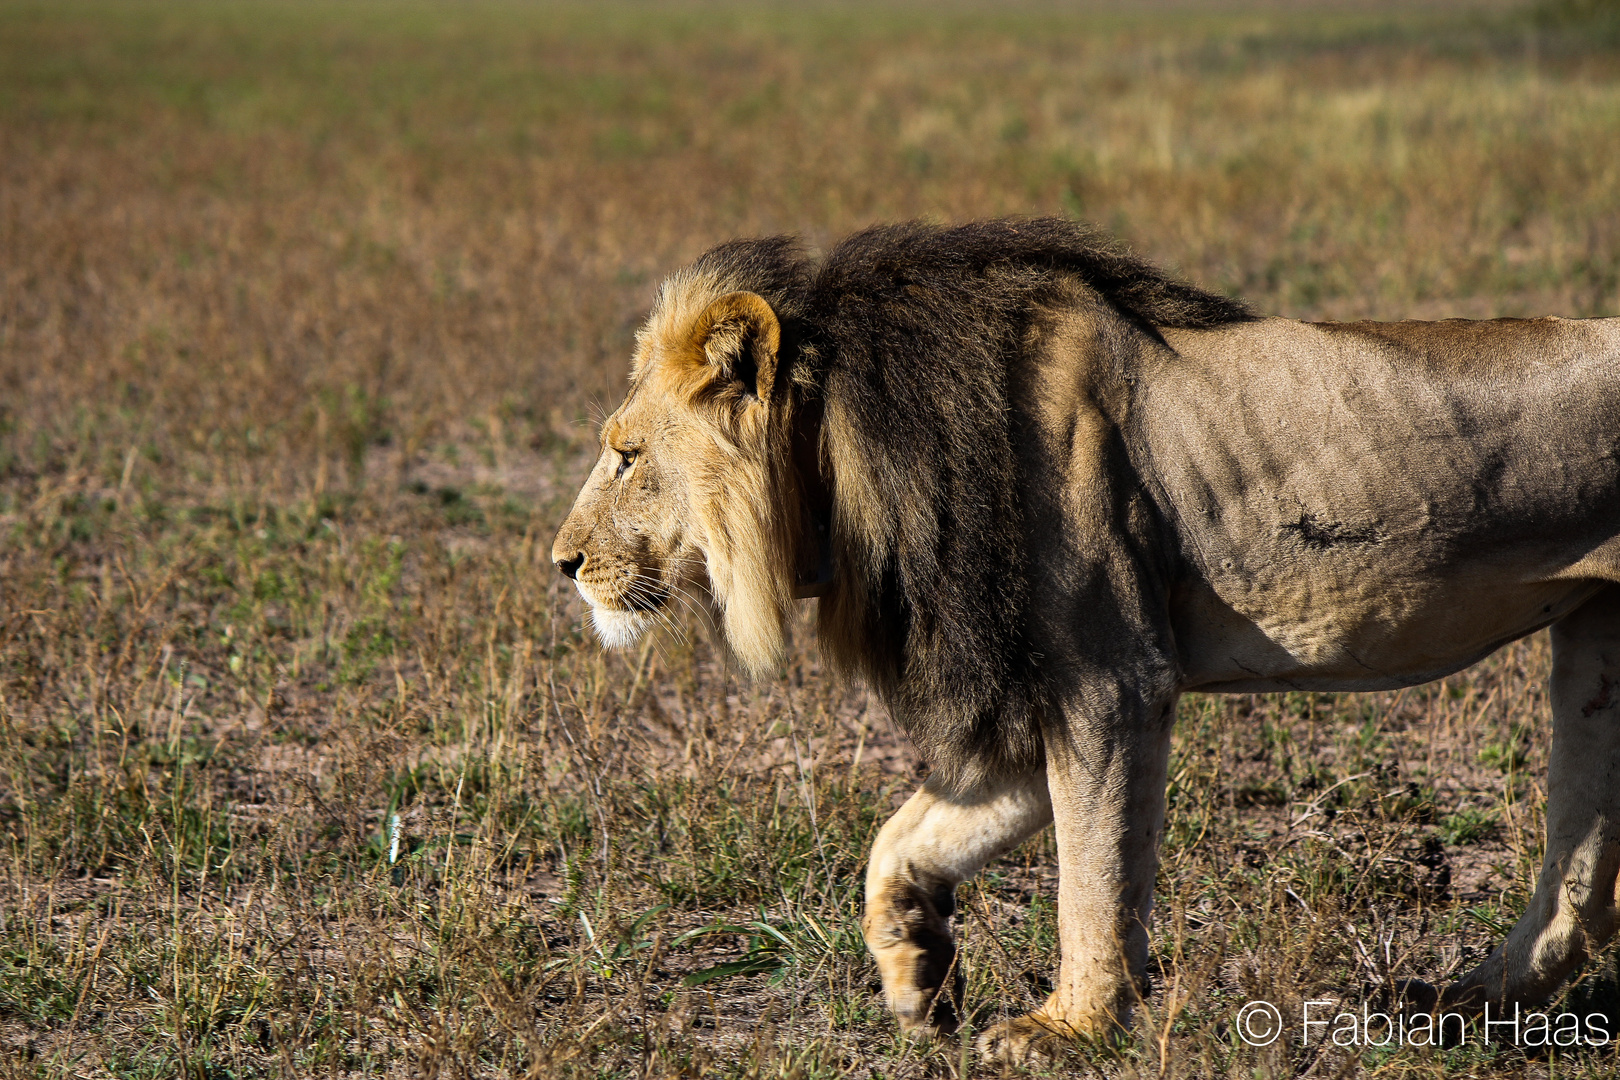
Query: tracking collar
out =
(813, 570)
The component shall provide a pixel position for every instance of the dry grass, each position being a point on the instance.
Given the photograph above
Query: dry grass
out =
(303, 310)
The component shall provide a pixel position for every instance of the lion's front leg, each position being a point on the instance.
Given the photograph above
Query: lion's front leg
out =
(937, 840)
(1108, 800)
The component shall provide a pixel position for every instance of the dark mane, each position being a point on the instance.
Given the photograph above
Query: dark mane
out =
(918, 336)
(913, 337)
(889, 257)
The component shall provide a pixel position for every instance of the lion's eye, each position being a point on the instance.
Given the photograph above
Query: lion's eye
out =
(627, 458)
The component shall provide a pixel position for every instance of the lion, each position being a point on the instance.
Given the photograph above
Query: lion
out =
(1041, 489)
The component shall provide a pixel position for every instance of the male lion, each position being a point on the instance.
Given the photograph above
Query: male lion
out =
(1042, 490)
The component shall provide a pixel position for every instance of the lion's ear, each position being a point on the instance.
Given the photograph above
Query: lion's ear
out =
(739, 335)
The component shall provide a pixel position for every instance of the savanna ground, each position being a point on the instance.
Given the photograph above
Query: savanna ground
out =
(305, 315)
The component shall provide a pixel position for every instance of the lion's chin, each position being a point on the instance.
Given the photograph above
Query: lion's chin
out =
(620, 629)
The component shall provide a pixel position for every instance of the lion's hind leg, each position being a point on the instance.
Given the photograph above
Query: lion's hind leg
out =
(1572, 913)
(938, 839)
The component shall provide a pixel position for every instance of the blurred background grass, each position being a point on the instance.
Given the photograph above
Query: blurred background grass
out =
(305, 313)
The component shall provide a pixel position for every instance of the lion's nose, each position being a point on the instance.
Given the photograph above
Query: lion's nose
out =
(571, 564)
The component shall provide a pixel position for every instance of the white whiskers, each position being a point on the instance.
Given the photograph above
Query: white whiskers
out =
(619, 628)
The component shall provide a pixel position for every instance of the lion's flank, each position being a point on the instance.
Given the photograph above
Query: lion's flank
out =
(911, 339)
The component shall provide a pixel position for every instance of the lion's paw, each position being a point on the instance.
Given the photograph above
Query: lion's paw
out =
(925, 1016)
(1027, 1040)
(1418, 1002)
(1414, 997)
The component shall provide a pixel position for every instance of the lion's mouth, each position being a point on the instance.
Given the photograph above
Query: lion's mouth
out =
(620, 629)
(621, 620)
